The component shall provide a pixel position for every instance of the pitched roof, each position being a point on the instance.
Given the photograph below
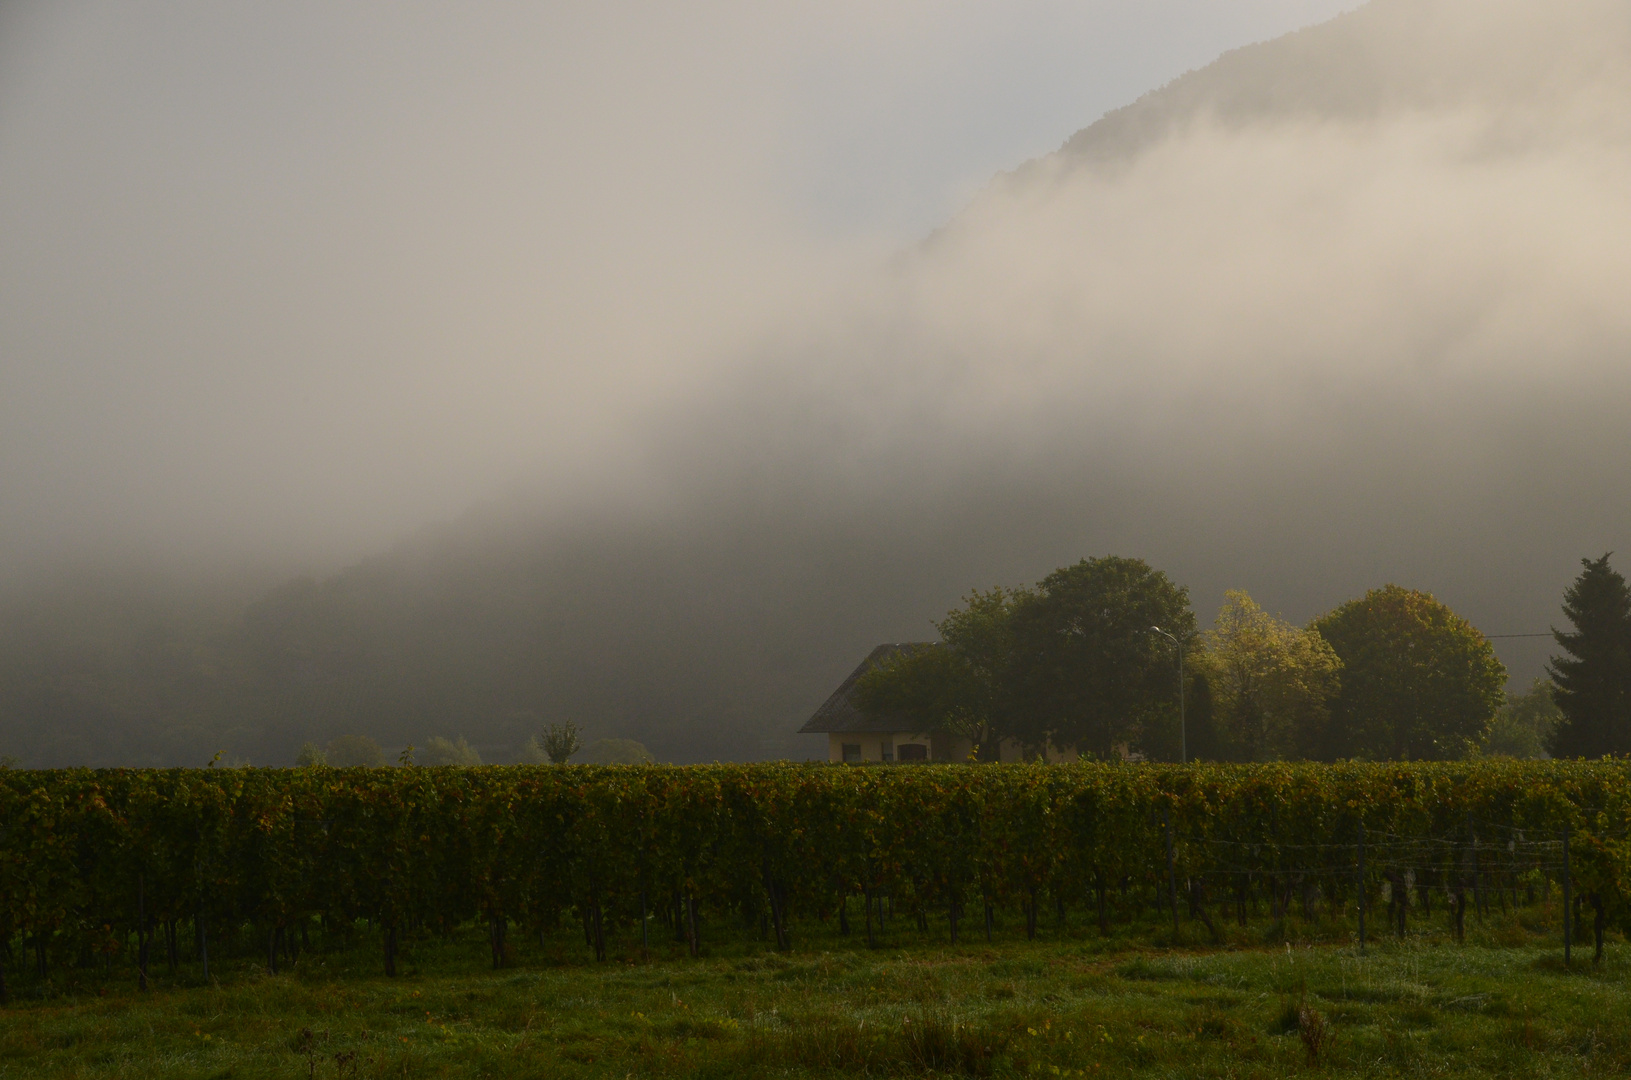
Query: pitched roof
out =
(840, 712)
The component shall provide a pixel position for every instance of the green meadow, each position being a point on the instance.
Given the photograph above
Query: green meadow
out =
(1293, 999)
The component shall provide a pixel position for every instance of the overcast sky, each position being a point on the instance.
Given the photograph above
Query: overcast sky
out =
(287, 280)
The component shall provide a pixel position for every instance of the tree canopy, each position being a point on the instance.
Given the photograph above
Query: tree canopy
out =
(1089, 672)
(353, 750)
(1071, 662)
(1524, 725)
(1418, 681)
(1076, 661)
(441, 751)
(1593, 679)
(1270, 683)
(962, 686)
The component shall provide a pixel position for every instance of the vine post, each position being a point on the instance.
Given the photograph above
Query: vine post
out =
(141, 934)
(1172, 872)
(1568, 900)
(1361, 888)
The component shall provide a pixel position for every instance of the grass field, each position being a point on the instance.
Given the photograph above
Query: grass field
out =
(1066, 1004)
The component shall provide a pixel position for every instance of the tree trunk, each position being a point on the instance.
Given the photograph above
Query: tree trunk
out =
(1597, 923)
(141, 934)
(497, 932)
(1197, 907)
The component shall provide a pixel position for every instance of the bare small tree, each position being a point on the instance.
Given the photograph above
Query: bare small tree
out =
(561, 741)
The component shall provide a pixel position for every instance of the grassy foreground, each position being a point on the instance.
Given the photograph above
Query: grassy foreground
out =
(1067, 1004)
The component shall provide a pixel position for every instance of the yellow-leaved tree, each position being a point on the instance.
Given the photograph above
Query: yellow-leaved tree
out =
(1271, 682)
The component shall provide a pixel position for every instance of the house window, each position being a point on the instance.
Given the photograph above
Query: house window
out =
(888, 748)
(852, 751)
(912, 752)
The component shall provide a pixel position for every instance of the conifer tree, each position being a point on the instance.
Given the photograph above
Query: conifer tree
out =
(1594, 678)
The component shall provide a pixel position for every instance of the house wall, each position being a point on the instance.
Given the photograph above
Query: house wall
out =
(940, 748)
(872, 744)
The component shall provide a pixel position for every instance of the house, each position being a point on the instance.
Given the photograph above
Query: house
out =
(854, 736)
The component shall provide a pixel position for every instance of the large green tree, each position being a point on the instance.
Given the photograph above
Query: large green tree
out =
(962, 686)
(1593, 681)
(1418, 681)
(1087, 671)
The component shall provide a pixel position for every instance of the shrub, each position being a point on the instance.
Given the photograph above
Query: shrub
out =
(350, 751)
(440, 751)
(561, 741)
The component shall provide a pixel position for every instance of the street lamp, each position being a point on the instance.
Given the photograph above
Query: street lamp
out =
(1183, 734)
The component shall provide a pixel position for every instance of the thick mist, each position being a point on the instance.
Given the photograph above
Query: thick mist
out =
(285, 283)
(1340, 309)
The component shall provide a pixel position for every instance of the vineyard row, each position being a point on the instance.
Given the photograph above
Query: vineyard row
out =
(88, 858)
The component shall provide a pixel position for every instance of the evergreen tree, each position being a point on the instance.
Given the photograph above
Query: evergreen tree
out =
(1594, 680)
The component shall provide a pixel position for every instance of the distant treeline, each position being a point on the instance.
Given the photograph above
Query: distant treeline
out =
(91, 859)
(493, 644)
(1104, 657)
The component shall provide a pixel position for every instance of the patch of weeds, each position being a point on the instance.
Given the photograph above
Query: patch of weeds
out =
(1018, 967)
(1214, 1001)
(931, 1041)
(1143, 969)
(1314, 1031)
(1419, 1017)
(1374, 995)
(799, 972)
(1487, 1004)
(769, 961)
(1210, 1022)
(699, 1027)
(938, 1042)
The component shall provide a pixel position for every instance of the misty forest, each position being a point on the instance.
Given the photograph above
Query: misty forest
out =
(448, 454)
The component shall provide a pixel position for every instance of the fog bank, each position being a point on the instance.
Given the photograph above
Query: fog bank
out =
(1340, 309)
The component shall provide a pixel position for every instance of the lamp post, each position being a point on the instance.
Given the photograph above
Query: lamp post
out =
(1183, 734)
